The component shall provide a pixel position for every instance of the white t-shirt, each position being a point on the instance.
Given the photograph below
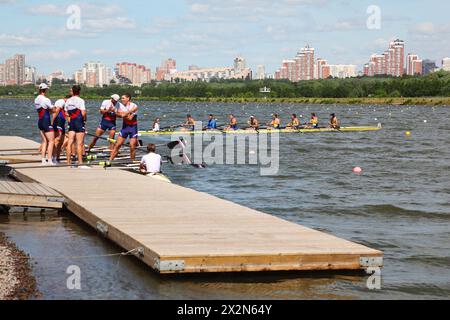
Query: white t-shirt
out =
(157, 127)
(152, 162)
(75, 103)
(60, 103)
(123, 108)
(42, 102)
(106, 105)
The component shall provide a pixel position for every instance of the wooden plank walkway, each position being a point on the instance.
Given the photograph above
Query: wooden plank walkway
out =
(179, 230)
(33, 195)
(14, 145)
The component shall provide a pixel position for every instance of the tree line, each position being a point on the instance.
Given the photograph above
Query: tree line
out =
(433, 85)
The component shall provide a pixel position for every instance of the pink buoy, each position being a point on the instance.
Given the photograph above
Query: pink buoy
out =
(357, 170)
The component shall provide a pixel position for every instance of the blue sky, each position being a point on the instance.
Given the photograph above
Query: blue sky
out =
(212, 32)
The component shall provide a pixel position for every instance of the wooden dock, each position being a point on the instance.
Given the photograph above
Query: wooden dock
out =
(11, 147)
(178, 230)
(33, 195)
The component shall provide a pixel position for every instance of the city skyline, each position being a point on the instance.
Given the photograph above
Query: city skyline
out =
(211, 33)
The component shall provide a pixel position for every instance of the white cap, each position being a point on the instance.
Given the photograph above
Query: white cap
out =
(115, 97)
(43, 86)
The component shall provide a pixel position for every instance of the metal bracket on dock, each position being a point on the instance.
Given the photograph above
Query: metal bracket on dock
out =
(371, 262)
(169, 266)
(56, 200)
(102, 228)
(140, 251)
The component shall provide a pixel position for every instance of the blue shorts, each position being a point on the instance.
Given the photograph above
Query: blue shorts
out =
(45, 125)
(60, 125)
(106, 125)
(77, 125)
(129, 132)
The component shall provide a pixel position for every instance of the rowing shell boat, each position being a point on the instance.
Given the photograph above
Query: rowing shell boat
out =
(263, 131)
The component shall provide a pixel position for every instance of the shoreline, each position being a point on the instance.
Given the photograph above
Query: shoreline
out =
(421, 101)
(16, 279)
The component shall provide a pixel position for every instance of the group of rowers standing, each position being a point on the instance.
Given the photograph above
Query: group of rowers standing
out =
(63, 127)
(253, 123)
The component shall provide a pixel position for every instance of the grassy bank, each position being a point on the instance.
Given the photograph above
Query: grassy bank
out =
(425, 101)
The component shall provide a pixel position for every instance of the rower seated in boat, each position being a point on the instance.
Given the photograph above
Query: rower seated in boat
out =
(212, 123)
(151, 162)
(156, 127)
(314, 122)
(253, 123)
(334, 122)
(295, 122)
(233, 126)
(275, 124)
(189, 125)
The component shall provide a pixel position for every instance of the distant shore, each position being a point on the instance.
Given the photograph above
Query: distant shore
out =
(16, 279)
(423, 101)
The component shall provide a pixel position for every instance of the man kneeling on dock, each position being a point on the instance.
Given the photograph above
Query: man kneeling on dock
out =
(151, 163)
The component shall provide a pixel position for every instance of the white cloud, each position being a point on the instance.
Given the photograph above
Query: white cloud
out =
(199, 8)
(99, 25)
(11, 40)
(46, 9)
(95, 18)
(425, 28)
(54, 55)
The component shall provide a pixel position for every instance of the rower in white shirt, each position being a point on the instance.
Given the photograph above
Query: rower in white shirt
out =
(44, 108)
(156, 125)
(151, 163)
(76, 112)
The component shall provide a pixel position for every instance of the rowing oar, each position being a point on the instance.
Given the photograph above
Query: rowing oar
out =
(85, 165)
(18, 150)
(170, 127)
(216, 128)
(172, 145)
(20, 154)
(114, 141)
(137, 147)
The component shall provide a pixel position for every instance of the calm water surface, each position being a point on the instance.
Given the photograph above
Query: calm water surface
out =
(399, 205)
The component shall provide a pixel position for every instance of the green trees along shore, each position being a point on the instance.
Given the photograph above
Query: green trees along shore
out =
(433, 89)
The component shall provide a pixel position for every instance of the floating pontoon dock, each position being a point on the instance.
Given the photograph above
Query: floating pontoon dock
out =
(178, 230)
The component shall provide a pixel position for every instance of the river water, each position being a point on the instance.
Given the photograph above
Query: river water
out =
(400, 205)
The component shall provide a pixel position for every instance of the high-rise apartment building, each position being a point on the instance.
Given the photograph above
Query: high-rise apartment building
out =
(20, 71)
(391, 62)
(261, 72)
(396, 62)
(322, 69)
(300, 68)
(428, 66)
(133, 73)
(414, 65)
(166, 70)
(239, 64)
(13, 71)
(446, 64)
(30, 75)
(2, 75)
(305, 64)
(93, 74)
